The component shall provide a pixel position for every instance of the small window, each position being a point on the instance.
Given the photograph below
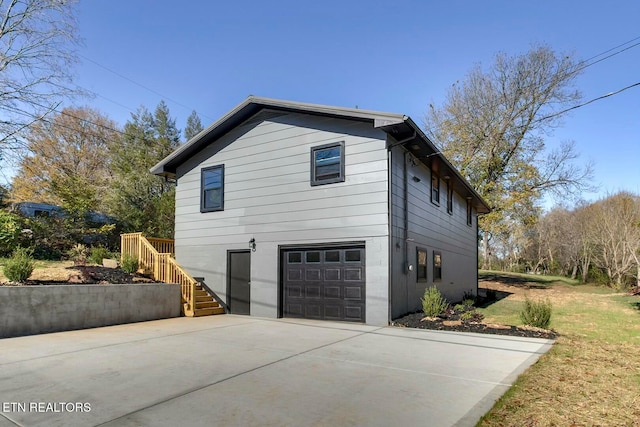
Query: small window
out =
(327, 164)
(212, 189)
(313, 257)
(332, 256)
(422, 265)
(295, 257)
(437, 266)
(435, 188)
(469, 213)
(352, 256)
(449, 197)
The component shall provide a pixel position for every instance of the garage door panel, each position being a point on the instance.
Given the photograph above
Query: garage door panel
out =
(353, 293)
(325, 283)
(332, 274)
(312, 291)
(294, 291)
(332, 292)
(353, 274)
(354, 313)
(294, 274)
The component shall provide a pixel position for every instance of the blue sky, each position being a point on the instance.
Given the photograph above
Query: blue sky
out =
(396, 56)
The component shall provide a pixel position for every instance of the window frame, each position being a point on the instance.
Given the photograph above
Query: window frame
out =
(437, 269)
(469, 213)
(422, 268)
(435, 189)
(449, 197)
(341, 178)
(203, 171)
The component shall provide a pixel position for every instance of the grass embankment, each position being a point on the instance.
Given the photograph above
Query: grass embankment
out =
(591, 376)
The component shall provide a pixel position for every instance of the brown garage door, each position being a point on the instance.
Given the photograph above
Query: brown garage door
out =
(324, 283)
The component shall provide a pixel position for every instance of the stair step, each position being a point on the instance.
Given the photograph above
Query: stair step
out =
(207, 311)
(201, 292)
(203, 298)
(207, 304)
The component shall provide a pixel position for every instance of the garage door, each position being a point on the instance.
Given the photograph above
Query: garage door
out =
(324, 283)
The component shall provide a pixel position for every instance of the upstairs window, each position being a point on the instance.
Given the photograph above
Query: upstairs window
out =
(469, 213)
(327, 164)
(435, 188)
(449, 197)
(212, 189)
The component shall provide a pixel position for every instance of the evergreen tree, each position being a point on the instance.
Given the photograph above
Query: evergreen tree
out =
(145, 202)
(194, 126)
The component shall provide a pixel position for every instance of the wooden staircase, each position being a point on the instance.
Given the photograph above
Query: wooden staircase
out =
(156, 258)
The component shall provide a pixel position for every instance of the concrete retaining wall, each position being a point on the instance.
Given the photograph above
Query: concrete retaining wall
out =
(28, 310)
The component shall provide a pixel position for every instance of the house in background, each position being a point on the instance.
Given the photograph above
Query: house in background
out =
(300, 210)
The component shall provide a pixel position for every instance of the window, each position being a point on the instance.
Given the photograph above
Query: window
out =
(422, 265)
(437, 266)
(212, 189)
(435, 188)
(327, 164)
(469, 213)
(449, 197)
(313, 257)
(352, 256)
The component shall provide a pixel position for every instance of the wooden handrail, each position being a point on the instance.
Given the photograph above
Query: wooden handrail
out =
(162, 265)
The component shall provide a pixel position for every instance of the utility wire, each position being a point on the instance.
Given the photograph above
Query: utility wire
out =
(122, 76)
(586, 103)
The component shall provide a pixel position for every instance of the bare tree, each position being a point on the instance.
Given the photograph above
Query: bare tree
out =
(37, 41)
(615, 232)
(493, 126)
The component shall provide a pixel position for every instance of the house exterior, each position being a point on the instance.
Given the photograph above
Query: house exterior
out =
(301, 210)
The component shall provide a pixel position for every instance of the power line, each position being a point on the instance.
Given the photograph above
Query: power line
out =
(586, 103)
(122, 76)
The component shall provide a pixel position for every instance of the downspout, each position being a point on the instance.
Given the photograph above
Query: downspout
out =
(405, 201)
(390, 231)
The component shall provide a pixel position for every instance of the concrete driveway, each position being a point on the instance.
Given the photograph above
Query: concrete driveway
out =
(234, 370)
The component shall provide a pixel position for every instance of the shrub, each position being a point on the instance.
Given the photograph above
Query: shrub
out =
(536, 313)
(432, 302)
(129, 264)
(9, 232)
(19, 267)
(98, 253)
(468, 302)
(78, 254)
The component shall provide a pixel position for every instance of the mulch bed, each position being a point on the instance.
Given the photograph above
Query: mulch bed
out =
(453, 323)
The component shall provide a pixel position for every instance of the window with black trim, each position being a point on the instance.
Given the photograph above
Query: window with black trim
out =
(437, 266)
(327, 163)
(435, 188)
(449, 197)
(469, 213)
(421, 271)
(212, 189)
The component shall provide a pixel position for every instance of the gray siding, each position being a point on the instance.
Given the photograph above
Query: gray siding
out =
(430, 227)
(268, 197)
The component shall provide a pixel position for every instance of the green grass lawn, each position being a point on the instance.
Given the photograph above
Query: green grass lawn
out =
(591, 376)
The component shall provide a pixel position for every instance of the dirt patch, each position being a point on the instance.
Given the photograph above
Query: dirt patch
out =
(81, 274)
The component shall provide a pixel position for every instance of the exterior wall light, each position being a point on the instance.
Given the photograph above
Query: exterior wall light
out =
(252, 244)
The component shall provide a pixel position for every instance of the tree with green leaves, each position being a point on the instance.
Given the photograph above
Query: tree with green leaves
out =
(194, 126)
(144, 202)
(67, 162)
(493, 127)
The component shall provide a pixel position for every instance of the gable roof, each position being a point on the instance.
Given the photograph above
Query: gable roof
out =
(399, 126)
